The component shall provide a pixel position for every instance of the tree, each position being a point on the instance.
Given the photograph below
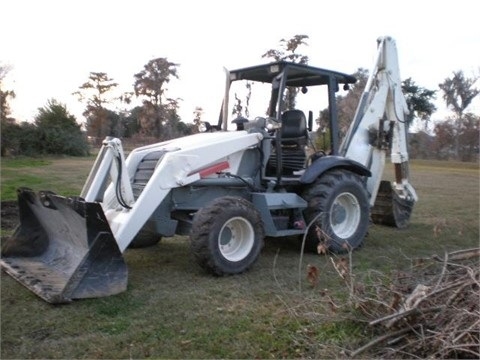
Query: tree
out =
(197, 117)
(5, 95)
(458, 93)
(444, 140)
(58, 131)
(20, 139)
(95, 93)
(448, 136)
(131, 121)
(287, 52)
(172, 125)
(469, 138)
(346, 107)
(9, 129)
(150, 84)
(421, 145)
(419, 101)
(121, 119)
(238, 108)
(9, 137)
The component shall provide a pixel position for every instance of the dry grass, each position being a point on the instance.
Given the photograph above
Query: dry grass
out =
(174, 310)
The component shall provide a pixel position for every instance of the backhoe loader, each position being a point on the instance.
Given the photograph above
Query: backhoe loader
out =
(229, 187)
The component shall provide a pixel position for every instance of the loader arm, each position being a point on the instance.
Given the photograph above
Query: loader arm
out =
(379, 128)
(110, 161)
(183, 163)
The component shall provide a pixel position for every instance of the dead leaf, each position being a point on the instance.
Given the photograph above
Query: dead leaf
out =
(395, 301)
(312, 275)
(342, 267)
(322, 249)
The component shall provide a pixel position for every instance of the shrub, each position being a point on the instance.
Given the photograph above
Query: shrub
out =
(59, 132)
(54, 131)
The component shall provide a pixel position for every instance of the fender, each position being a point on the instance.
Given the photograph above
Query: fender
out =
(321, 165)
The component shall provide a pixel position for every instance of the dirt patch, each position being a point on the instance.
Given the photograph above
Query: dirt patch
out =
(9, 215)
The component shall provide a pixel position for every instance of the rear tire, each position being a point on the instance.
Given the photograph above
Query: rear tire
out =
(227, 236)
(339, 202)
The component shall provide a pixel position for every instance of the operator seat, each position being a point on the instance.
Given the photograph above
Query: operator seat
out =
(294, 135)
(294, 127)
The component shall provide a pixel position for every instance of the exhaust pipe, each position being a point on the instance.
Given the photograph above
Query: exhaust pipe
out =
(63, 249)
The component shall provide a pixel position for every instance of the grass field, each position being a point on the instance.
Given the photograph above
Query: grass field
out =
(173, 310)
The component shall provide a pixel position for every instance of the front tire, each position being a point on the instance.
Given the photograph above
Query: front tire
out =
(146, 237)
(339, 203)
(227, 236)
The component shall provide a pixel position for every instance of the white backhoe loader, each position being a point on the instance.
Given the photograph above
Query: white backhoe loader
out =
(227, 189)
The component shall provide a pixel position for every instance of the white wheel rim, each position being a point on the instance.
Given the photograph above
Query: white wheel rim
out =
(236, 239)
(345, 215)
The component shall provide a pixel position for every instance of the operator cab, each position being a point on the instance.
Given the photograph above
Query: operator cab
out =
(278, 93)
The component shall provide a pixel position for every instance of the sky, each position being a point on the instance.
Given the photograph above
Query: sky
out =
(52, 46)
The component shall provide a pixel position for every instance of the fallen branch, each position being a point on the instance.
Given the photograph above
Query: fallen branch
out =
(441, 303)
(405, 314)
(460, 255)
(379, 340)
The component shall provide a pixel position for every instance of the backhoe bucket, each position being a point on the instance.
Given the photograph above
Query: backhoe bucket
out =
(390, 209)
(63, 249)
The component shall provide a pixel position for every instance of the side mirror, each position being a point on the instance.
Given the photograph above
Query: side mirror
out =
(240, 122)
(206, 126)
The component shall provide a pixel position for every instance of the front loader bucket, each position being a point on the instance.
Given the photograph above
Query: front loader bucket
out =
(63, 249)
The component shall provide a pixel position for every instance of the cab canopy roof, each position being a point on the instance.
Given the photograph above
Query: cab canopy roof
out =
(297, 74)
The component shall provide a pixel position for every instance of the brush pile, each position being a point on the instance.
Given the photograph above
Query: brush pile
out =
(431, 311)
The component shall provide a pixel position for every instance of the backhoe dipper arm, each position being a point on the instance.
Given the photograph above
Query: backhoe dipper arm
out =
(379, 124)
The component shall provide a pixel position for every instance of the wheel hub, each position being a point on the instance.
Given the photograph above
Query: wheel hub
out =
(236, 239)
(339, 214)
(345, 215)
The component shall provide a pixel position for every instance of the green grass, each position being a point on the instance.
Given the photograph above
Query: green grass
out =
(63, 175)
(22, 162)
(174, 310)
